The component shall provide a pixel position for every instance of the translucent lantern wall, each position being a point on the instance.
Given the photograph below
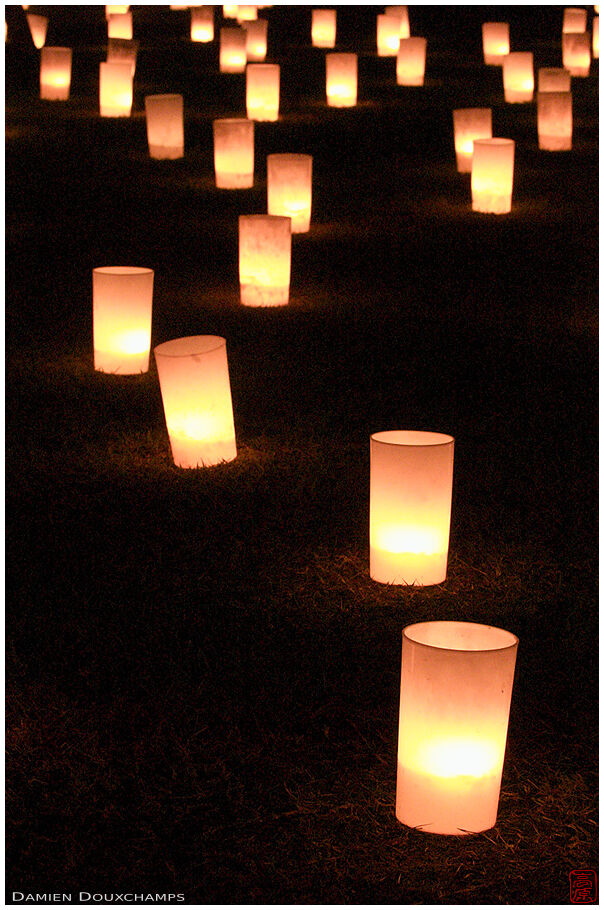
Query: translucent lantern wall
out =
(576, 53)
(122, 50)
(518, 78)
(324, 27)
(202, 23)
(256, 41)
(341, 80)
(410, 507)
(264, 259)
(555, 121)
(165, 126)
(120, 26)
(553, 79)
(403, 17)
(411, 61)
(55, 73)
(116, 9)
(234, 153)
(456, 689)
(233, 55)
(388, 35)
(38, 26)
(289, 189)
(122, 304)
(495, 42)
(229, 11)
(262, 91)
(115, 89)
(246, 13)
(470, 123)
(596, 38)
(196, 394)
(574, 20)
(493, 175)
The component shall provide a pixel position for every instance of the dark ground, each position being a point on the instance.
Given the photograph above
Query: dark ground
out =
(202, 679)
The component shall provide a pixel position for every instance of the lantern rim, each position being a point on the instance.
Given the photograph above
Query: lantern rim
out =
(494, 141)
(167, 95)
(232, 120)
(122, 270)
(279, 156)
(190, 346)
(412, 438)
(265, 218)
(265, 66)
(502, 640)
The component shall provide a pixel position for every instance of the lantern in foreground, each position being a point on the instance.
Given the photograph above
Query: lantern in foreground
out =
(265, 244)
(555, 121)
(246, 13)
(38, 26)
(233, 56)
(456, 689)
(115, 89)
(411, 61)
(402, 13)
(122, 300)
(165, 126)
(574, 21)
(289, 189)
(493, 175)
(518, 79)
(576, 53)
(596, 38)
(388, 35)
(495, 42)
(120, 26)
(410, 507)
(55, 73)
(470, 123)
(324, 27)
(341, 79)
(202, 23)
(262, 91)
(196, 393)
(256, 40)
(553, 79)
(234, 153)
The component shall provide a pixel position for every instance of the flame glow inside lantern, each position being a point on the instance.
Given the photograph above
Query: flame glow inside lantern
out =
(388, 35)
(403, 17)
(229, 11)
(495, 42)
(122, 301)
(246, 13)
(196, 394)
(411, 61)
(122, 50)
(234, 153)
(574, 21)
(165, 126)
(202, 23)
(341, 79)
(555, 121)
(38, 26)
(115, 89)
(120, 26)
(265, 244)
(323, 27)
(596, 38)
(553, 79)
(456, 689)
(116, 9)
(410, 507)
(470, 123)
(289, 188)
(518, 78)
(576, 53)
(493, 175)
(256, 40)
(262, 91)
(233, 56)
(55, 73)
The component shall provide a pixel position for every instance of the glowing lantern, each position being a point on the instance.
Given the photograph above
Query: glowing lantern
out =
(262, 91)
(411, 61)
(576, 53)
(196, 393)
(388, 35)
(555, 121)
(116, 9)
(122, 303)
(596, 38)
(265, 244)
(202, 23)
(115, 89)
(470, 123)
(403, 17)
(233, 57)
(120, 26)
(341, 80)
(256, 43)
(55, 73)
(38, 26)
(323, 28)
(246, 13)
(229, 11)
(518, 79)
(456, 689)
(493, 175)
(553, 79)
(234, 153)
(289, 189)
(122, 50)
(574, 21)
(495, 42)
(165, 126)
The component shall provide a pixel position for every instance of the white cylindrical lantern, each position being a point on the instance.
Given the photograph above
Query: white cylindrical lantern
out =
(38, 26)
(411, 61)
(116, 9)
(495, 42)
(470, 123)
(55, 73)
(493, 175)
(403, 16)
(115, 89)
(122, 50)
(265, 243)
(202, 23)
(518, 78)
(574, 21)
(165, 126)
(388, 35)
(553, 79)
(555, 121)
(196, 393)
(229, 11)
(120, 26)
(456, 689)
(256, 40)
(576, 53)
(595, 44)
(289, 189)
(234, 153)
(341, 79)
(262, 91)
(324, 27)
(246, 13)
(233, 56)
(122, 304)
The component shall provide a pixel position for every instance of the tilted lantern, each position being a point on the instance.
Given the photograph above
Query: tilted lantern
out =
(38, 26)
(233, 56)
(120, 26)
(553, 79)
(234, 153)
(262, 91)
(202, 23)
(256, 40)
(246, 13)
(495, 42)
(265, 244)
(493, 175)
(289, 189)
(388, 35)
(341, 79)
(196, 393)
(122, 50)
(165, 126)
(411, 61)
(122, 301)
(518, 78)
(324, 27)
(470, 123)
(403, 17)
(410, 507)
(555, 121)
(574, 21)
(55, 73)
(576, 53)
(456, 688)
(596, 38)
(115, 89)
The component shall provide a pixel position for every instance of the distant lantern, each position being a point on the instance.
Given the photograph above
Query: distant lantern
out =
(234, 153)
(256, 40)
(495, 42)
(120, 26)
(403, 16)
(233, 56)
(574, 21)
(196, 394)
(165, 126)
(553, 79)
(341, 79)
(388, 35)
(411, 61)
(555, 121)
(518, 78)
(122, 50)
(493, 175)
(262, 91)
(229, 11)
(202, 23)
(115, 89)
(324, 27)
(410, 507)
(576, 53)
(596, 38)
(246, 13)
(122, 305)
(289, 189)
(55, 73)
(265, 244)
(470, 123)
(38, 26)
(456, 688)
(116, 9)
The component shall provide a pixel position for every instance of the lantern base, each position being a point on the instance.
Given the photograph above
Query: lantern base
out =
(202, 37)
(197, 453)
(494, 59)
(578, 70)
(555, 143)
(233, 67)
(121, 364)
(409, 569)
(341, 101)
(462, 804)
(262, 114)
(107, 111)
(519, 96)
(54, 92)
(231, 181)
(264, 295)
(256, 56)
(410, 80)
(464, 162)
(166, 151)
(491, 203)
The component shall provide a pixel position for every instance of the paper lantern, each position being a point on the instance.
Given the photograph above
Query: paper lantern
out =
(495, 42)
(323, 30)
(493, 175)
(574, 21)
(518, 79)
(55, 73)
(233, 56)
(120, 26)
(596, 38)
(115, 89)
(122, 300)
(576, 53)
(229, 11)
(256, 39)
(555, 121)
(38, 26)
(246, 13)
(411, 61)
(456, 689)
(388, 35)
(262, 91)
(470, 123)
(122, 50)
(202, 23)
(196, 393)
(403, 16)
(341, 79)
(234, 153)
(289, 189)
(553, 79)
(265, 245)
(116, 9)
(165, 126)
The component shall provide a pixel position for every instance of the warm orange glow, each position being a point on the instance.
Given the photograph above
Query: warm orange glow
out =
(122, 50)
(341, 80)
(55, 73)
(324, 27)
(115, 89)
(595, 44)
(122, 306)
(120, 26)
(246, 13)
(555, 121)
(402, 13)
(493, 175)
(553, 79)
(116, 9)
(233, 56)
(289, 189)
(518, 79)
(388, 35)
(576, 53)
(202, 23)
(574, 21)
(262, 91)
(229, 11)
(234, 153)
(256, 40)
(495, 42)
(470, 123)
(165, 126)
(38, 26)
(411, 61)
(264, 259)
